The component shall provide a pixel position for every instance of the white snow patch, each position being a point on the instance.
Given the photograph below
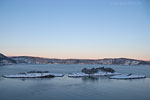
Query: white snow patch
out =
(80, 74)
(100, 73)
(32, 75)
(127, 77)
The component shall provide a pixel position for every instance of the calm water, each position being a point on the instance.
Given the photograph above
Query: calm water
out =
(65, 88)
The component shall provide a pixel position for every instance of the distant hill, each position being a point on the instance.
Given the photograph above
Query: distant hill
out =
(38, 60)
(4, 60)
(106, 61)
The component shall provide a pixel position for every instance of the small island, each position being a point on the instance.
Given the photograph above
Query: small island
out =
(34, 74)
(101, 71)
(127, 76)
(85, 72)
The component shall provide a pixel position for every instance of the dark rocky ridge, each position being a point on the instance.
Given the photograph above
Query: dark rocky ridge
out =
(95, 70)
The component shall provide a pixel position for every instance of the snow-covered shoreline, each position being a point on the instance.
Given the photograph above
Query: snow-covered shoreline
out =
(125, 76)
(34, 75)
(80, 74)
(100, 73)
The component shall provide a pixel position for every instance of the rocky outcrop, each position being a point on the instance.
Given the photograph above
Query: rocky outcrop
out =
(96, 70)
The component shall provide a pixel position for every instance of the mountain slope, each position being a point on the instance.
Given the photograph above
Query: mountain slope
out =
(108, 61)
(4, 60)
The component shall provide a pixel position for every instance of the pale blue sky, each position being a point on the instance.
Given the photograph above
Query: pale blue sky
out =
(75, 28)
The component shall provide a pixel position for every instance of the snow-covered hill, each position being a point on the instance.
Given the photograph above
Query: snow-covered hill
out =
(4, 60)
(38, 60)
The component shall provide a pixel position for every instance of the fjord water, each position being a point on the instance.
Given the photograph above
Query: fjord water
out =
(66, 88)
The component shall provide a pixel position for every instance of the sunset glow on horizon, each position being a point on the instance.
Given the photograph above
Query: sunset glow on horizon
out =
(80, 29)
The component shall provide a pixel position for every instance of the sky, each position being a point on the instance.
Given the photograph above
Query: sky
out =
(85, 29)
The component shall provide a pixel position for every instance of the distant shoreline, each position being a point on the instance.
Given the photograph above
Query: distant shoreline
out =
(4, 60)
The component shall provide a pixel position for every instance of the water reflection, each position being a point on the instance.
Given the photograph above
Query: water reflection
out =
(1, 78)
(91, 78)
(95, 78)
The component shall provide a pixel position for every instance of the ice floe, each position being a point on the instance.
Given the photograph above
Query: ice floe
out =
(80, 74)
(34, 75)
(100, 73)
(127, 76)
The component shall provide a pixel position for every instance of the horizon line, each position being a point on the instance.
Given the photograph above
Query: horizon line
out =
(81, 58)
(76, 58)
